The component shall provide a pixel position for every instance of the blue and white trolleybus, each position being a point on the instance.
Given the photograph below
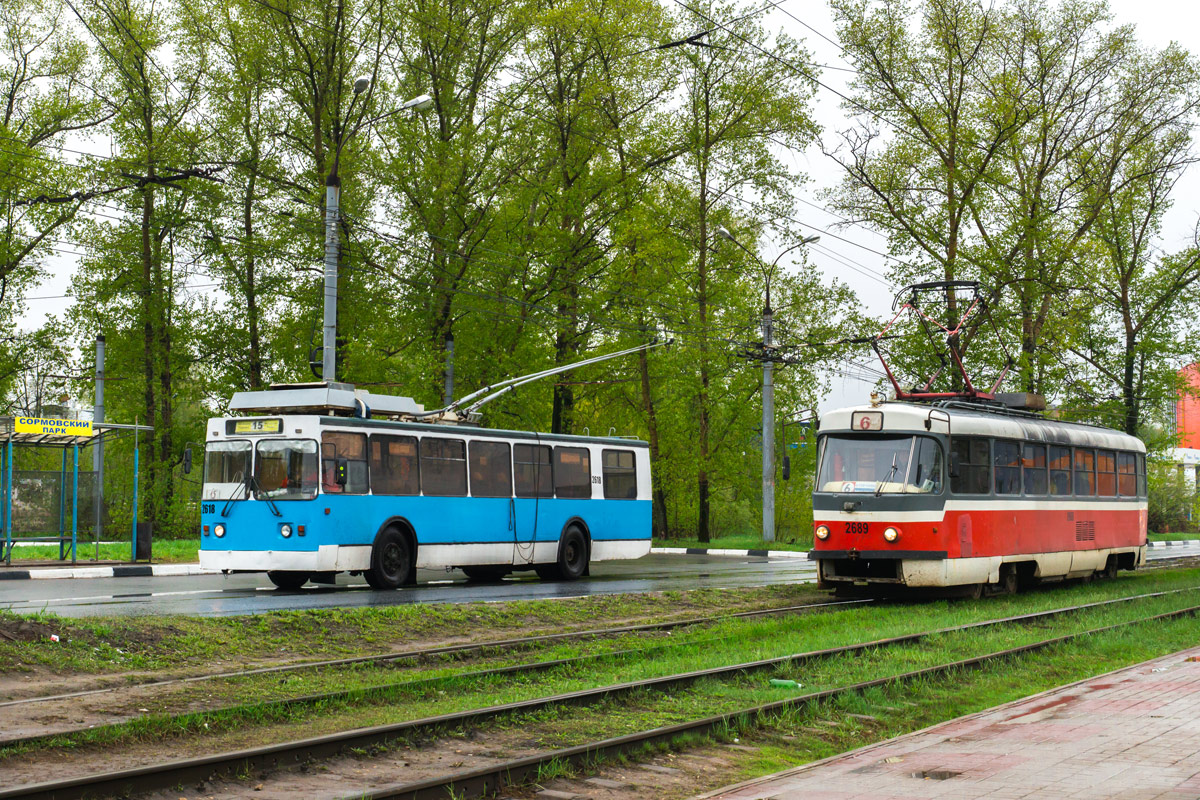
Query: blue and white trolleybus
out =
(306, 482)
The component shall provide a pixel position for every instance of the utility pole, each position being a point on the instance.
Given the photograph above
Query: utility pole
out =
(448, 394)
(333, 190)
(98, 450)
(768, 425)
(766, 353)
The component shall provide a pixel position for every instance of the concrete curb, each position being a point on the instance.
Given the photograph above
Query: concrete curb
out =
(1175, 543)
(127, 571)
(700, 551)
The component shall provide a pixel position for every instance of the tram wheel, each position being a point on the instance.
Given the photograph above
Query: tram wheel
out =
(288, 580)
(391, 561)
(1110, 568)
(1008, 580)
(572, 558)
(485, 574)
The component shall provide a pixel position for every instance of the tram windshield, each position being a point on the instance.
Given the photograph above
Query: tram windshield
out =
(880, 464)
(286, 469)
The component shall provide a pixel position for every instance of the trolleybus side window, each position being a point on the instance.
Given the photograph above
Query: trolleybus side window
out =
(444, 467)
(572, 472)
(1033, 468)
(1007, 457)
(286, 469)
(1106, 473)
(534, 477)
(970, 466)
(1060, 470)
(350, 447)
(394, 465)
(1085, 472)
(226, 462)
(620, 474)
(491, 469)
(1127, 474)
(1141, 475)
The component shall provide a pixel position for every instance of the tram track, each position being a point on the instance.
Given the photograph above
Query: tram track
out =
(454, 650)
(282, 755)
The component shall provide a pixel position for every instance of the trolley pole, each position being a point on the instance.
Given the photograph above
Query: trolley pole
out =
(768, 427)
(98, 449)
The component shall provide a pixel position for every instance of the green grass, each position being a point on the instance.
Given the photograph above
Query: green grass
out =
(747, 541)
(730, 642)
(1172, 537)
(164, 551)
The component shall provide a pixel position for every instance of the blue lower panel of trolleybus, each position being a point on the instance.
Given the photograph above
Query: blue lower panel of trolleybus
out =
(450, 531)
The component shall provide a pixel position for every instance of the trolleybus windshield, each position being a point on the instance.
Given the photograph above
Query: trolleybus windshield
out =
(286, 469)
(880, 464)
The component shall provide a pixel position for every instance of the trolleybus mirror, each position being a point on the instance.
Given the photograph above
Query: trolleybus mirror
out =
(340, 475)
(187, 460)
(787, 467)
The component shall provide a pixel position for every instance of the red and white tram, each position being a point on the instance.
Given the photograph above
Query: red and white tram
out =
(958, 494)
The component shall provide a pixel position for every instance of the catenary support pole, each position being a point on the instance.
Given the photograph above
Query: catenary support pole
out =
(74, 500)
(133, 540)
(98, 447)
(8, 489)
(62, 506)
(329, 339)
(448, 395)
(768, 427)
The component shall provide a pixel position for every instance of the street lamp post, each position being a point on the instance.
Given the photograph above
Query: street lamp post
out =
(768, 386)
(333, 190)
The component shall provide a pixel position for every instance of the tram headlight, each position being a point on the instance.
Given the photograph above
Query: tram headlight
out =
(891, 534)
(219, 531)
(286, 530)
(822, 532)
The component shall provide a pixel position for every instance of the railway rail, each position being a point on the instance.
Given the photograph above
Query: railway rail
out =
(158, 776)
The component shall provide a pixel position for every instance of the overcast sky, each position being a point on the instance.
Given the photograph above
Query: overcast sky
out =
(1158, 23)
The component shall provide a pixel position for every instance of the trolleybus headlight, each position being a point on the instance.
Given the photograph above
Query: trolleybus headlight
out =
(891, 534)
(286, 530)
(822, 532)
(219, 531)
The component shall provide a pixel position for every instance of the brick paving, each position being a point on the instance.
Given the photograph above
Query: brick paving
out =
(1132, 734)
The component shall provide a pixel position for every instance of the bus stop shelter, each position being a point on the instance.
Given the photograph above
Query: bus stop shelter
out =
(42, 505)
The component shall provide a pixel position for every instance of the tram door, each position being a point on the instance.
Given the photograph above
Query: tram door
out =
(532, 484)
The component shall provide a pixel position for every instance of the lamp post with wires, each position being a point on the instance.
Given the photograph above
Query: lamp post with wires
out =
(333, 190)
(768, 386)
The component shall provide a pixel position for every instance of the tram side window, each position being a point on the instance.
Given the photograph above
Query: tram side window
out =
(1126, 475)
(620, 475)
(572, 472)
(1007, 457)
(1106, 473)
(353, 448)
(970, 466)
(1033, 468)
(533, 475)
(1085, 472)
(491, 469)
(1060, 470)
(394, 468)
(1141, 475)
(444, 467)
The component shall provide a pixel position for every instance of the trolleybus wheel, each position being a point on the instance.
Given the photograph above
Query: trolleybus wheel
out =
(485, 574)
(572, 558)
(391, 560)
(288, 580)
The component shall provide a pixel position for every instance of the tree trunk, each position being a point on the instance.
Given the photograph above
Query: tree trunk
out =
(659, 514)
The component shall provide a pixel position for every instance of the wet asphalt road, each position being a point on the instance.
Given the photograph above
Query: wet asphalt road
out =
(217, 595)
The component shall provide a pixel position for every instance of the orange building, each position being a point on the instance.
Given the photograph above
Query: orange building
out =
(1187, 410)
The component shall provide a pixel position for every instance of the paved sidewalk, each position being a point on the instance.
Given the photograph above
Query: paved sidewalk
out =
(1132, 734)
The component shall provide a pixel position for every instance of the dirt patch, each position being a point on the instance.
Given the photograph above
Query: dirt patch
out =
(26, 630)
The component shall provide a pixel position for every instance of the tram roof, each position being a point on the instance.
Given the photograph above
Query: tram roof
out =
(902, 417)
